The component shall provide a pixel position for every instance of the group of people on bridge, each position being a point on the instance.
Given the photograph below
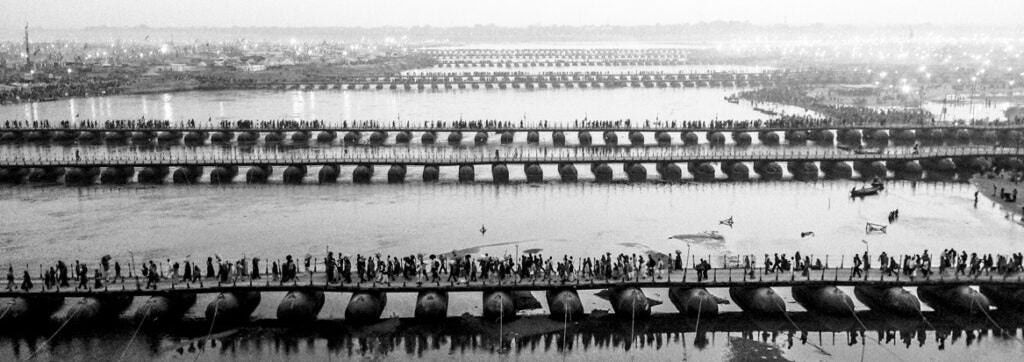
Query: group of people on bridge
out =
(787, 121)
(142, 123)
(466, 268)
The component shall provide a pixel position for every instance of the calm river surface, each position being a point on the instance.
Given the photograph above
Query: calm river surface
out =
(556, 105)
(42, 223)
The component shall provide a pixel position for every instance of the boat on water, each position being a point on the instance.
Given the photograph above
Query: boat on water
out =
(703, 235)
(876, 187)
(732, 99)
(707, 239)
(766, 111)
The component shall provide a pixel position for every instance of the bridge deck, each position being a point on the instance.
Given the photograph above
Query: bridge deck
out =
(531, 128)
(447, 157)
(718, 278)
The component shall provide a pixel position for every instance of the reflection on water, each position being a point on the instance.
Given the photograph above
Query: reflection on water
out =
(979, 109)
(168, 106)
(731, 336)
(555, 105)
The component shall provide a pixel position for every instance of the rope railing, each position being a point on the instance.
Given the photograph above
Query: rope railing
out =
(718, 273)
(516, 126)
(433, 156)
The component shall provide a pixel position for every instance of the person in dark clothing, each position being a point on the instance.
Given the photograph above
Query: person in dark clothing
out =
(347, 269)
(223, 273)
(435, 267)
(117, 272)
(26, 283)
(187, 275)
(699, 268)
(83, 280)
(62, 274)
(255, 274)
(329, 263)
(856, 265)
(47, 281)
(97, 279)
(286, 274)
(153, 277)
(360, 268)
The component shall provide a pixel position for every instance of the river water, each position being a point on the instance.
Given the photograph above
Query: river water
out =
(41, 223)
(555, 105)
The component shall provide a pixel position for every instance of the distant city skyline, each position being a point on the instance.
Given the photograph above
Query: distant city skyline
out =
(70, 14)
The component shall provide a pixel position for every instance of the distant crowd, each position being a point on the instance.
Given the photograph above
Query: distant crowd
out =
(837, 116)
(53, 91)
(850, 115)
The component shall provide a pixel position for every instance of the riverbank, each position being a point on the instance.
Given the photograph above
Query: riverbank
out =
(991, 185)
(136, 80)
(220, 79)
(876, 97)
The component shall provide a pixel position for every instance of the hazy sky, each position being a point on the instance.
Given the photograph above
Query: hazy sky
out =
(291, 13)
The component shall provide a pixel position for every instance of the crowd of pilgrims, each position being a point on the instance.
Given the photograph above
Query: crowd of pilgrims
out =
(852, 115)
(911, 265)
(838, 116)
(53, 91)
(466, 268)
(363, 269)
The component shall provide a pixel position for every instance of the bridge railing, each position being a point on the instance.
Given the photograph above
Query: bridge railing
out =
(427, 156)
(723, 270)
(564, 126)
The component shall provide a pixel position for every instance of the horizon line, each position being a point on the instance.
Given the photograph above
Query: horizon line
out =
(526, 26)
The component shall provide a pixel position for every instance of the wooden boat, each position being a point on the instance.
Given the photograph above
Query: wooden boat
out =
(876, 187)
(864, 191)
(765, 111)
